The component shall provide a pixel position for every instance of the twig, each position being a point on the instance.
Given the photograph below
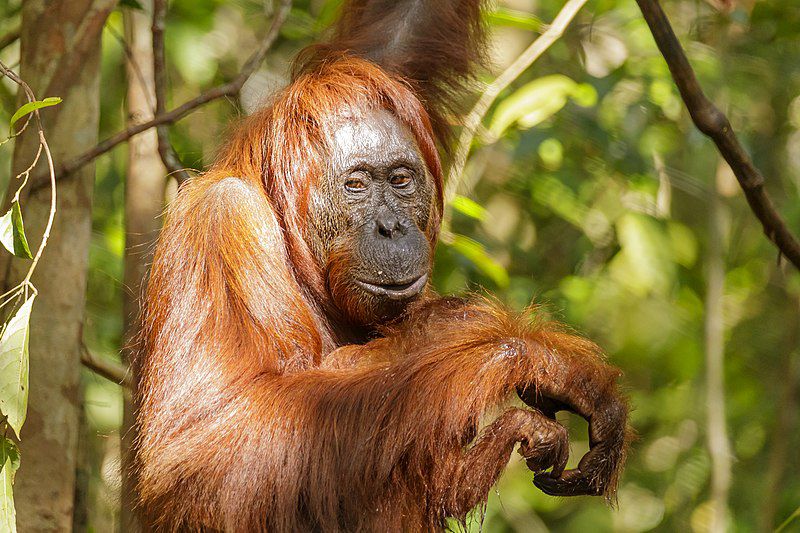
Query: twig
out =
(9, 38)
(714, 124)
(106, 368)
(165, 150)
(231, 88)
(785, 523)
(473, 120)
(26, 282)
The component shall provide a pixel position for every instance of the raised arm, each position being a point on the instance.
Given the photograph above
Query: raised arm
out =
(435, 45)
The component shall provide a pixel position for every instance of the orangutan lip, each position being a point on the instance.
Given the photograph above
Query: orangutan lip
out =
(395, 291)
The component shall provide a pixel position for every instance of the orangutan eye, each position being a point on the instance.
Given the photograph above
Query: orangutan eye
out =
(400, 181)
(356, 183)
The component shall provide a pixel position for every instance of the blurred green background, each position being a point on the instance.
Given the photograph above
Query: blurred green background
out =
(588, 191)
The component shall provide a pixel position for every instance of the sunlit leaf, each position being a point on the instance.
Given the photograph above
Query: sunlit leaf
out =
(476, 253)
(516, 19)
(644, 263)
(14, 366)
(584, 94)
(550, 192)
(30, 107)
(9, 459)
(683, 243)
(12, 232)
(469, 207)
(327, 15)
(532, 103)
(551, 152)
(660, 139)
(535, 102)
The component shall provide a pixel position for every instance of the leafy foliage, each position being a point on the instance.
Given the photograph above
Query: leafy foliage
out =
(12, 232)
(29, 108)
(14, 366)
(538, 100)
(9, 463)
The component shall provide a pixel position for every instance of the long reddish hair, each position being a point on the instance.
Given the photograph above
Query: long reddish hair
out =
(252, 415)
(289, 151)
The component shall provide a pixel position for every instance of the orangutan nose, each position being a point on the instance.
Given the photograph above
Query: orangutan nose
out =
(388, 224)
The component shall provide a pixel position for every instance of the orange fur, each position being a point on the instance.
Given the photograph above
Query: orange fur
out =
(253, 416)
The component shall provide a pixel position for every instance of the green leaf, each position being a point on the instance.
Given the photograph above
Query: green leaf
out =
(14, 366)
(469, 207)
(584, 95)
(12, 232)
(476, 253)
(516, 19)
(9, 461)
(30, 107)
(532, 103)
(327, 14)
(299, 25)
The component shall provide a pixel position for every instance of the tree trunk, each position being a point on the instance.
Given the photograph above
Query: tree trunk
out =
(60, 56)
(144, 201)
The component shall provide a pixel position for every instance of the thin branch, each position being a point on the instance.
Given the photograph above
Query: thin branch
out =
(106, 368)
(473, 120)
(788, 521)
(231, 88)
(714, 124)
(165, 150)
(9, 38)
(31, 97)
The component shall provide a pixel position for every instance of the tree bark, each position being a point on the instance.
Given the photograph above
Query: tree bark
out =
(144, 201)
(60, 56)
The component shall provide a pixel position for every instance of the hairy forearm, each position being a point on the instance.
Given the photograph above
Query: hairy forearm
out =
(394, 425)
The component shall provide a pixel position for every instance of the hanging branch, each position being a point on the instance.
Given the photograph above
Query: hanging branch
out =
(104, 368)
(714, 124)
(230, 88)
(165, 150)
(26, 284)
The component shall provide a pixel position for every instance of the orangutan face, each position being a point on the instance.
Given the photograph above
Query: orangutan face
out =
(369, 217)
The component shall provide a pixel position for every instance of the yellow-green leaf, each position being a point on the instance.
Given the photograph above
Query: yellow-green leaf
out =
(14, 366)
(12, 232)
(469, 207)
(9, 462)
(476, 253)
(532, 103)
(30, 107)
(504, 16)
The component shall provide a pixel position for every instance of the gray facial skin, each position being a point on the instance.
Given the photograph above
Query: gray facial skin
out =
(369, 215)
